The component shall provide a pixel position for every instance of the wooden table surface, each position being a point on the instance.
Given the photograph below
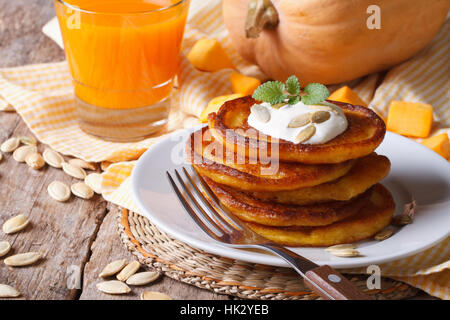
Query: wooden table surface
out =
(78, 237)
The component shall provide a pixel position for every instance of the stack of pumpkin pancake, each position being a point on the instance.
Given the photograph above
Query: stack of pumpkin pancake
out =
(305, 194)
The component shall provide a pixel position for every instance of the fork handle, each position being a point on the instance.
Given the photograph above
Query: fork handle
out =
(333, 284)
(323, 280)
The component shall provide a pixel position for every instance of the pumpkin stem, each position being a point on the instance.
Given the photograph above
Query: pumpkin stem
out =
(261, 15)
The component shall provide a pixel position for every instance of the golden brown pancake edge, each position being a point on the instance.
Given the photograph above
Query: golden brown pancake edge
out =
(372, 218)
(250, 209)
(247, 176)
(365, 173)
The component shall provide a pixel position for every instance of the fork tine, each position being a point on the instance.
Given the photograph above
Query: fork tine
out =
(190, 211)
(214, 213)
(216, 201)
(200, 208)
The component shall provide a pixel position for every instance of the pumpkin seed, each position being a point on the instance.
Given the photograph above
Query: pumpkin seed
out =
(346, 253)
(261, 113)
(94, 180)
(27, 140)
(5, 246)
(384, 234)
(74, 171)
(10, 145)
(15, 224)
(320, 116)
(21, 153)
(23, 259)
(410, 209)
(342, 246)
(113, 267)
(82, 190)
(278, 105)
(8, 291)
(300, 120)
(319, 107)
(154, 295)
(58, 191)
(128, 271)
(330, 108)
(305, 134)
(113, 287)
(53, 158)
(82, 164)
(143, 278)
(35, 161)
(402, 220)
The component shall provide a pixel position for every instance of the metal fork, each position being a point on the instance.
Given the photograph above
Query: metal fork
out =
(227, 229)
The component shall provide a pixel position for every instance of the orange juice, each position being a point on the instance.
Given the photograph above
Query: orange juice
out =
(122, 53)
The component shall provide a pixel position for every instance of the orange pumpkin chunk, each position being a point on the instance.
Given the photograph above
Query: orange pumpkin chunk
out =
(243, 84)
(208, 55)
(347, 95)
(439, 143)
(215, 104)
(410, 118)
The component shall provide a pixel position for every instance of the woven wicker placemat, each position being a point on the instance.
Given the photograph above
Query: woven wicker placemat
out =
(182, 262)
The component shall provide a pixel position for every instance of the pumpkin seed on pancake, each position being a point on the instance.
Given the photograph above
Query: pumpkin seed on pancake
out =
(371, 219)
(209, 157)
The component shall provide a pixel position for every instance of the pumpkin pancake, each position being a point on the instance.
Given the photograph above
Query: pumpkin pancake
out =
(365, 173)
(372, 218)
(365, 132)
(250, 209)
(209, 158)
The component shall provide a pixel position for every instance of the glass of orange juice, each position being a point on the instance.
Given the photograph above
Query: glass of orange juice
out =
(123, 57)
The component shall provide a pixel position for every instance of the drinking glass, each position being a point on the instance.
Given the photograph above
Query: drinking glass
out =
(123, 57)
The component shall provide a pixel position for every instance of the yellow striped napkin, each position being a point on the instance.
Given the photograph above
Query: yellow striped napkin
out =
(42, 95)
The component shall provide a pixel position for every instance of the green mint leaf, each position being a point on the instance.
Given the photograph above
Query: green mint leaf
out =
(315, 93)
(292, 85)
(271, 92)
(294, 99)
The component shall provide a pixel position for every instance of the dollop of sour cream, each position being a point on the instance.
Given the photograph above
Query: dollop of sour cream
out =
(278, 124)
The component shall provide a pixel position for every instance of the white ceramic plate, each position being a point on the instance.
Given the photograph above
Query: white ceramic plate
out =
(415, 171)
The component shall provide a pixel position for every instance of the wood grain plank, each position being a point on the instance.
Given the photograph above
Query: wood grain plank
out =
(21, 39)
(66, 231)
(62, 231)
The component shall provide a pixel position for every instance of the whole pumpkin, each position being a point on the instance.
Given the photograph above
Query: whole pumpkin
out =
(328, 41)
